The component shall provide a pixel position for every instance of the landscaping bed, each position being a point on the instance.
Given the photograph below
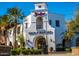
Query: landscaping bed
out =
(24, 51)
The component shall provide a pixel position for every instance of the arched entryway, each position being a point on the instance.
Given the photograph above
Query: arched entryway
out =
(40, 42)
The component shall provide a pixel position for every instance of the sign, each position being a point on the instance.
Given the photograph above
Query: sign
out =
(41, 32)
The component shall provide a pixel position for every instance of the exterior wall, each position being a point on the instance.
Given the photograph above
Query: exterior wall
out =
(75, 51)
(31, 27)
(11, 35)
(31, 20)
(58, 30)
(73, 41)
(43, 5)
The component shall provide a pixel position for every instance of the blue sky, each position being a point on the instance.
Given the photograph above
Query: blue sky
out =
(65, 8)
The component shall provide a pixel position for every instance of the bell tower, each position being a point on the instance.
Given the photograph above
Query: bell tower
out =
(40, 9)
(40, 6)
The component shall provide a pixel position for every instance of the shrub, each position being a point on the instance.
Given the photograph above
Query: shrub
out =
(40, 51)
(24, 52)
(37, 51)
(32, 51)
(23, 48)
(15, 51)
(68, 49)
(29, 51)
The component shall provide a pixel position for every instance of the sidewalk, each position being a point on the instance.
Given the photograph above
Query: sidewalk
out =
(62, 54)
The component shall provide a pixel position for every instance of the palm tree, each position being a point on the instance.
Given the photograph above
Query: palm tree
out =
(0, 28)
(3, 26)
(66, 39)
(72, 27)
(16, 13)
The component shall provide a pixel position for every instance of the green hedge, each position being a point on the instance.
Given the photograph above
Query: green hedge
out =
(25, 51)
(15, 51)
(37, 51)
(31, 51)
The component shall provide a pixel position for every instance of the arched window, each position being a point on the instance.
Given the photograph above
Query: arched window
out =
(39, 23)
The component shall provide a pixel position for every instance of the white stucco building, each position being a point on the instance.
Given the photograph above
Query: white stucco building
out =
(41, 28)
(11, 34)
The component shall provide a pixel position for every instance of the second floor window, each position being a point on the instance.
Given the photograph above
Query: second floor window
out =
(39, 23)
(50, 22)
(57, 23)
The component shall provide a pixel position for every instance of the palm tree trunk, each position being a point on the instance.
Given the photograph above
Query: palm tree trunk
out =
(5, 35)
(15, 42)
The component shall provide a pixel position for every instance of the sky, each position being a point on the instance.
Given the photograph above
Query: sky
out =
(65, 8)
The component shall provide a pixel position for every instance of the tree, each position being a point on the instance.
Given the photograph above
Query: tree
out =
(3, 27)
(72, 27)
(0, 28)
(21, 40)
(66, 39)
(16, 13)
